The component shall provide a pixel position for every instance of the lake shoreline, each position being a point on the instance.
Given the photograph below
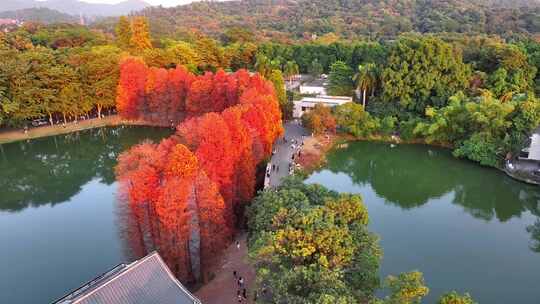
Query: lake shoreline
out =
(314, 153)
(315, 150)
(416, 193)
(46, 131)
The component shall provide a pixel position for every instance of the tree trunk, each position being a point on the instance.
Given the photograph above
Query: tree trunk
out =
(50, 118)
(99, 110)
(364, 99)
(195, 237)
(64, 115)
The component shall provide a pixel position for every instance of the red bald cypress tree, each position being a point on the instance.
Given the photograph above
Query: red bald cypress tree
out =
(199, 99)
(242, 152)
(131, 87)
(179, 84)
(185, 191)
(158, 98)
(210, 139)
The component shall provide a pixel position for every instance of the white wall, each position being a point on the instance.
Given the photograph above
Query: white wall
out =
(312, 90)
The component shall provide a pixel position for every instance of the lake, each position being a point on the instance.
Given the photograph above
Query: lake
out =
(60, 223)
(466, 227)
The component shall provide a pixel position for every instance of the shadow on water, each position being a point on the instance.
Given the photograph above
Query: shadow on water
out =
(411, 175)
(51, 170)
(466, 227)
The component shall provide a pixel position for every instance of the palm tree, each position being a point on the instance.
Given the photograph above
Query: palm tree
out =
(262, 65)
(366, 79)
(291, 69)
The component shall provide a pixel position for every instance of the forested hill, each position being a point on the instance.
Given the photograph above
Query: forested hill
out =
(76, 7)
(288, 19)
(42, 15)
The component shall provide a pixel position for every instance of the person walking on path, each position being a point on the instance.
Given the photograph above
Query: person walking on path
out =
(241, 282)
(237, 245)
(235, 274)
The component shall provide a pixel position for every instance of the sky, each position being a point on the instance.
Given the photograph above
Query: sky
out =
(166, 3)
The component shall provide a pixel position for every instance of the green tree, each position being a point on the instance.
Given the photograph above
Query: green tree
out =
(497, 82)
(450, 124)
(211, 55)
(455, 298)
(366, 79)
(70, 100)
(99, 76)
(35, 84)
(422, 72)
(7, 106)
(311, 245)
(340, 79)
(406, 288)
(315, 68)
(183, 53)
(123, 33)
(262, 64)
(290, 70)
(355, 120)
(242, 55)
(279, 86)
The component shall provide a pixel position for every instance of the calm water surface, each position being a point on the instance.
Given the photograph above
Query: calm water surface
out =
(466, 227)
(60, 225)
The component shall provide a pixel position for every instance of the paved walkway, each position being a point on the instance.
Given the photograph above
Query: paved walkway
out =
(223, 287)
(282, 158)
(534, 149)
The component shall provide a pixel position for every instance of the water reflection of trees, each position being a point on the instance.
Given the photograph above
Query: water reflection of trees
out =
(52, 170)
(410, 175)
(534, 230)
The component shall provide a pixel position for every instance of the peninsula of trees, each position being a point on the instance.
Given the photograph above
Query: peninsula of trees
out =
(188, 191)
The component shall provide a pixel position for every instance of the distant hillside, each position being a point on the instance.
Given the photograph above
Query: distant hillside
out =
(43, 15)
(294, 19)
(75, 7)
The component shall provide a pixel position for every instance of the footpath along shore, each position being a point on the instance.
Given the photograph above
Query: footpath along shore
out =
(223, 287)
(44, 131)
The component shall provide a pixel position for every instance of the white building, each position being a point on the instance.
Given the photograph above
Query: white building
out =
(315, 87)
(308, 103)
(316, 90)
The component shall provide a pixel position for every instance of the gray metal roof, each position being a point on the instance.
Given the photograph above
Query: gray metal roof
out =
(147, 280)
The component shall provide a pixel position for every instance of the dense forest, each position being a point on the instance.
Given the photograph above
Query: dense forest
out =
(287, 21)
(188, 191)
(312, 245)
(453, 73)
(41, 14)
(415, 85)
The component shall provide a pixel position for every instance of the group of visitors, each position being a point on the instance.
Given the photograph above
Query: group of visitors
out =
(295, 145)
(241, 290)
(297, 152)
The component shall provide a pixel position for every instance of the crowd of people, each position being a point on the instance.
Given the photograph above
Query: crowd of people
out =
(241, 287)
(296, 146)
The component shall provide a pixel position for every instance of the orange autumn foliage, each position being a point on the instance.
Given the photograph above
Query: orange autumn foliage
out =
(131, 87)
(187, 190)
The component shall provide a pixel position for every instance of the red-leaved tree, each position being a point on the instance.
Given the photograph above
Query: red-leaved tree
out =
(187, 192)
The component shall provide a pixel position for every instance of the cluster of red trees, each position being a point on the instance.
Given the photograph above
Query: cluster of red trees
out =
(162, 96)
(186, 192)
